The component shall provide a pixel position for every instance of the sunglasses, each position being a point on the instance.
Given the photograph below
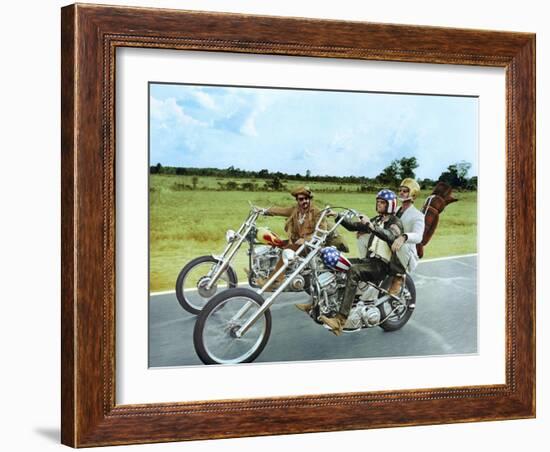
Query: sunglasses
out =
(302, 198)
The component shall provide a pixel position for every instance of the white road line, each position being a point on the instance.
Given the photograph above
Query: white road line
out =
(464, 264)
(437, 259)
(166, 292)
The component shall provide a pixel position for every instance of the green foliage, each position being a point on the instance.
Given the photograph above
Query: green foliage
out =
(157, 169)
(456, 174)
(407, 166)
(398, 169)
(390, 175)
(264, 180)
(236, 173)
(275, 184)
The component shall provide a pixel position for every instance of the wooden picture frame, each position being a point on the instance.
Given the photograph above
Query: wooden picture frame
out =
(90, 36)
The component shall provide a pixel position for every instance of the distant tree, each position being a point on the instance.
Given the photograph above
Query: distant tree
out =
(308, 174)
(275, 184)
(157, 169)
(407, 165)
(389, 175)
(472, 183)
(263, 174)
(195, 180)
(426, 183)
(456, 174)
(248, 186)
(397, 170)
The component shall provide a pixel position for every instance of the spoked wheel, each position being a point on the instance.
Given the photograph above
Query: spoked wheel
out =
(399, 313)
(191, 285)
(215, 335)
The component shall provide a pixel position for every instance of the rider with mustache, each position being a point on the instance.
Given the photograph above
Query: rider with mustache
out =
(382, 231)
(299, 226)
(301, 218)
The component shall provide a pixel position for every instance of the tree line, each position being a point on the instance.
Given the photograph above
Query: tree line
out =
(456, 175)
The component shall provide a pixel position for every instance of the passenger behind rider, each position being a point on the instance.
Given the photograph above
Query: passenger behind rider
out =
(381, 232)
(404, 247)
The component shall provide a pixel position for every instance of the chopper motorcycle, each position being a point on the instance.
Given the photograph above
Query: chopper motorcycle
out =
(235, 325)
(205, 276)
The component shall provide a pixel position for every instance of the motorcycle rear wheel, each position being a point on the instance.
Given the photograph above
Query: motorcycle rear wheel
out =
(214, 334)
(401, 316)
(190, 284)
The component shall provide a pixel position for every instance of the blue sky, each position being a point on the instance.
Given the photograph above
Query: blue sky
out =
(327, 132)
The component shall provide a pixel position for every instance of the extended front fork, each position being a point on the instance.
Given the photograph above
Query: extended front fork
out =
(231, 249)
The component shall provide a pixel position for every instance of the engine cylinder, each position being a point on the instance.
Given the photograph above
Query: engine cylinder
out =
(326, 279)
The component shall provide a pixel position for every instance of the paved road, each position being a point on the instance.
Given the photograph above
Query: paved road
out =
(444, 322)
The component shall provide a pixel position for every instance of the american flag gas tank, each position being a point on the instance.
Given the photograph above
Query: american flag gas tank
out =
(334, 259)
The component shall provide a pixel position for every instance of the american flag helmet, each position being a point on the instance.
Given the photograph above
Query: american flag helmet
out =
(391, 200)
(334, 259)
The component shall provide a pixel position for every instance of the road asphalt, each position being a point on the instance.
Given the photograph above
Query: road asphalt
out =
(443, 323)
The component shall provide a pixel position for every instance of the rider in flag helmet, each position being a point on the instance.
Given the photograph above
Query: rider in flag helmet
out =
(391, 200)
(381, 230)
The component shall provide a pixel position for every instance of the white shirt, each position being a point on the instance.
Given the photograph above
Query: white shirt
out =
(413, 226)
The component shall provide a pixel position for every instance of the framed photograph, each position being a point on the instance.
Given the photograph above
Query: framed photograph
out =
(282, 225)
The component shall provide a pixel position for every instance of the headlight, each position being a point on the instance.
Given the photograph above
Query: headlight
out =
(230, 235)
(288, 256)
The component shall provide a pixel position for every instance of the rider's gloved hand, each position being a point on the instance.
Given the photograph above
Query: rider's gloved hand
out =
(365, 220)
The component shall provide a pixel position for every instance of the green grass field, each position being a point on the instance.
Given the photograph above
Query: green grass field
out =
(185, 224)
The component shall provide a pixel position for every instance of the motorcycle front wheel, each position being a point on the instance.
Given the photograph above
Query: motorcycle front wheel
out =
(398, 315)
(215, 337)
(192, 280)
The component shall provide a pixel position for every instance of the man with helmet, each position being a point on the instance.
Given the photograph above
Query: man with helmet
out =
(413, 225)
(381, 233)
(404, 247)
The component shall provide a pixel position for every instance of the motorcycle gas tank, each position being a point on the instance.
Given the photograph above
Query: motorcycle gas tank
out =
(334, 259)
(268, 237)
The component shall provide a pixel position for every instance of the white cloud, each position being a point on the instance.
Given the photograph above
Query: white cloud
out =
(169, 112)
(205, 100)
(249, 126)
(328, 134)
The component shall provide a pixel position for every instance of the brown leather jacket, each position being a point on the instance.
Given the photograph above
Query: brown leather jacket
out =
(298, 226)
